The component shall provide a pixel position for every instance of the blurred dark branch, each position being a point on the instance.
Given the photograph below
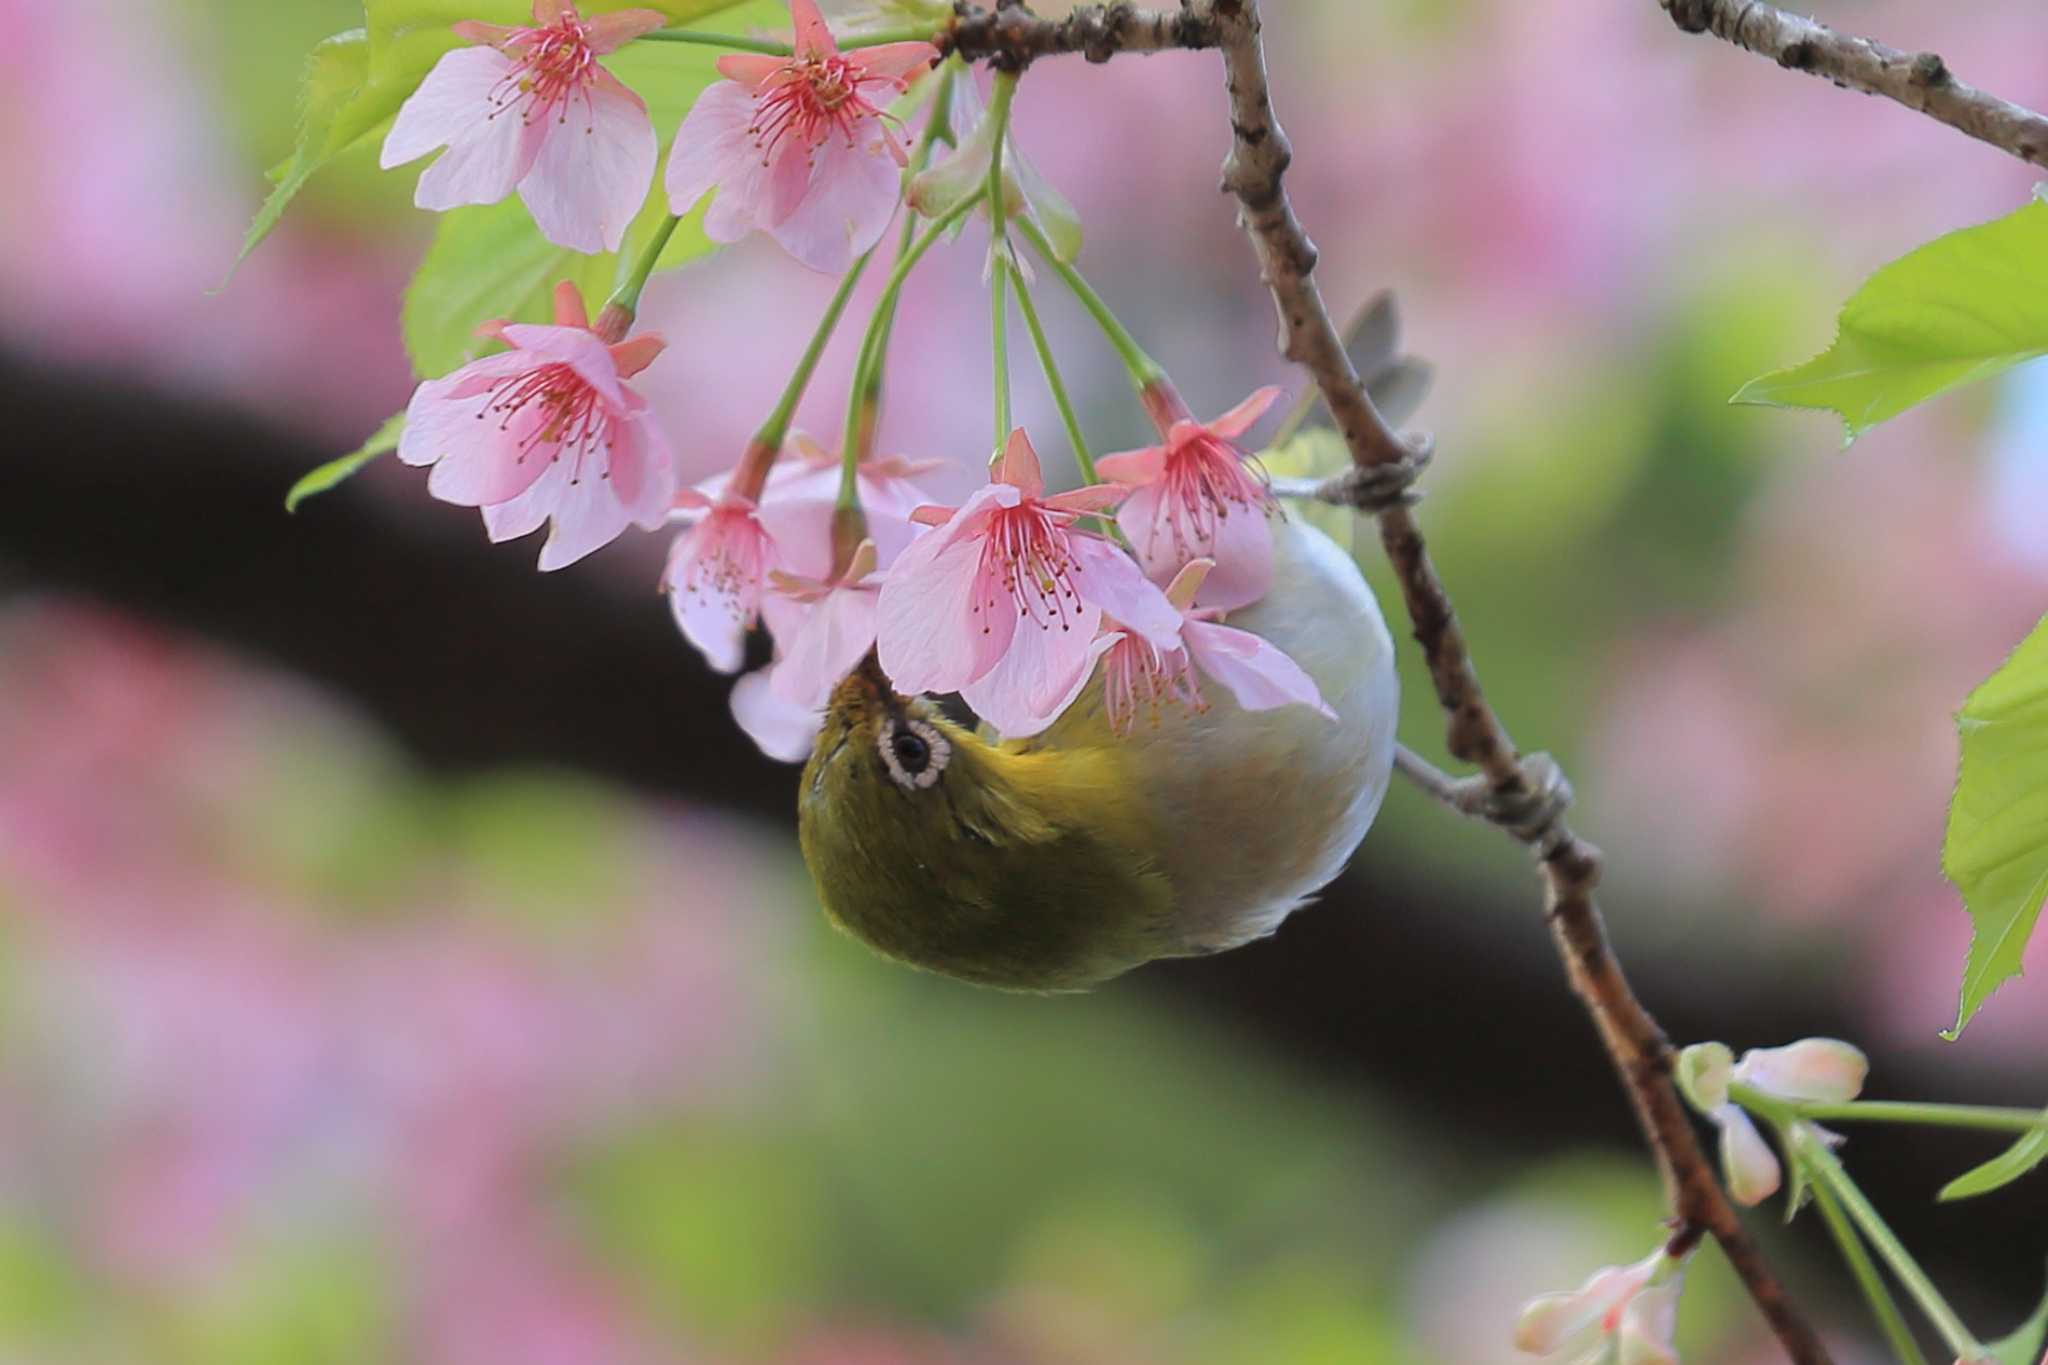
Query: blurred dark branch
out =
(1919, 80)
(1527, 798)
(1011, 35)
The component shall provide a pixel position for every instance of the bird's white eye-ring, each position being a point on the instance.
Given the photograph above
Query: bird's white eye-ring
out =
(914, 752)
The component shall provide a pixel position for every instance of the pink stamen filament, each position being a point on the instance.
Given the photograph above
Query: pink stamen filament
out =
(1205, 479)
(812, 99)
(555, 65)
(727, 558)
(1025, 558)
(1136, 673)
(572, 416)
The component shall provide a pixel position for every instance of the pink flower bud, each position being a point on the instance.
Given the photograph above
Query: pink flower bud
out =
(1823, 1070)
(1747, 1162)
(1608, 1301)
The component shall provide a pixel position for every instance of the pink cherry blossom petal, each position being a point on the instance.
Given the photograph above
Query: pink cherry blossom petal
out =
(1107, 577)
(453, 99)
(933, 631)
(781, 729)
(1039, 676)
(1242, 546)
(593, 170)
(585, 517)
(801, 530)
(1133, 466)
(1098, 497)
(751, 70)
(835, 635)
(610, 32)
(484, 162)
(813, 34)
(1257, 672)
(895, 61)
(844, 206)
(1239, 419)
(1020, 467)
(711, 145)
(790, 166)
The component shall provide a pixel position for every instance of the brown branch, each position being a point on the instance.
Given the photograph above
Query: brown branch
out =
(1009, 35)
(1921, 81)
(1526, 798)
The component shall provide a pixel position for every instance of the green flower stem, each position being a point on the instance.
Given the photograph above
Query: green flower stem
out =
(625, 300)
(1082, 458)
(1986, 1117)
(1145, 372)
(870, 349)
(765, 46)
(937, 124)
(768, 47)
(777, 426)
(1882, 1305)
(1000, 95)
(1806, 1145)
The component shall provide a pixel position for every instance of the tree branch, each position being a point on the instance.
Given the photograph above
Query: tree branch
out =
(1009, 35)
(1920, 81)
(1527, 799)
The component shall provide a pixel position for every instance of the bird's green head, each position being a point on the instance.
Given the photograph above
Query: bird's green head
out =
(981, 861)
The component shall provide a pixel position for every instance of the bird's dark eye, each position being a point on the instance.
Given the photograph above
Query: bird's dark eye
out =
(914, 752)
(911, 751)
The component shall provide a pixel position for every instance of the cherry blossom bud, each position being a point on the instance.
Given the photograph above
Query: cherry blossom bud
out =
(1819, 1070)
(1748, 1165)
(1627, 1313)
(1703, 1072)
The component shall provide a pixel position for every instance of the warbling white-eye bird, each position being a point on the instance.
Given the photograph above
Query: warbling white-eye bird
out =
(1056, 862)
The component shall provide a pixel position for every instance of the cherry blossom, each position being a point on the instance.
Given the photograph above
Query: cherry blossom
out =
(531, 109)
(718, 567)
(1193, 497)
(799, 147)
(547, 430)
(1258, 674)
(822, 629)
(1007, 581)
(1821, 1070)
(1627, 1314)
(1026, 193)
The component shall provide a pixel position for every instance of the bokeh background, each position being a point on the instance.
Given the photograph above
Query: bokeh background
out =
(402, 956)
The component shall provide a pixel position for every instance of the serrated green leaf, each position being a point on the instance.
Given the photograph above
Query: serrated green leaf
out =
(1996, 849)
(2024, 1346)
(2023, 1156)
(335, 75)
(490, 261)
(382, 442)
(1962, 308)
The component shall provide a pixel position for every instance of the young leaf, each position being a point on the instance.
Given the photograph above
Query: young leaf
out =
(1962, 308)
(2023, 1156)
(1996, 850)
(382, 442)
(335, 74)
(2024, 1346)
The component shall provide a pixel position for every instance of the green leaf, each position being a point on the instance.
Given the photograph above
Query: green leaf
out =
(2024, 1346)
(2023, 1156)
(335, 75)
(333, 472)
(1996, 850)
(490, 261)
(1962, 308)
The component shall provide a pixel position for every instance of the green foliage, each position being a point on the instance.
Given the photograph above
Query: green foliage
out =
(330, 106)
(2023, 1347)
(381, 442)
(1962, 308)
(1995, 1174)
(1996, 852)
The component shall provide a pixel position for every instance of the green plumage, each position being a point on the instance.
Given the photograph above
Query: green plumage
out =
(1014, 870)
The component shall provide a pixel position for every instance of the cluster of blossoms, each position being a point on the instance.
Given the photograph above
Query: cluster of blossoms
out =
(1014, 599)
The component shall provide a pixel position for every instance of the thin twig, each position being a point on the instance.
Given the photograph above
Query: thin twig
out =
(1919, 80)
(1011, 36)
(1570, 866)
